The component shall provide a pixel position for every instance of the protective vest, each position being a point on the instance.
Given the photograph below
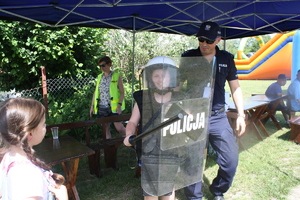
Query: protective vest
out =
(113, 92)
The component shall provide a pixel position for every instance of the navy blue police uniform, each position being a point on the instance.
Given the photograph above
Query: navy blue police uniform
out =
(221, 136)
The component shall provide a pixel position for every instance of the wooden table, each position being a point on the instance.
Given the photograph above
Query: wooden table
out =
(270, 111)
(257, 108)
(254, 111)
(67, 151)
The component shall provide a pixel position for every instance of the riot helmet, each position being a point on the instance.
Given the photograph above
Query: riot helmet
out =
(160, 73)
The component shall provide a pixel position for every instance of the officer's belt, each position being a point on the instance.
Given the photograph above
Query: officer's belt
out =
(216, 112)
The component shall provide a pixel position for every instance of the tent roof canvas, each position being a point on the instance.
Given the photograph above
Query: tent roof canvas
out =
(237, 18)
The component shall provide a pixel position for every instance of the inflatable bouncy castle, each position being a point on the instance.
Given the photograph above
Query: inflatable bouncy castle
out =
(273, 58)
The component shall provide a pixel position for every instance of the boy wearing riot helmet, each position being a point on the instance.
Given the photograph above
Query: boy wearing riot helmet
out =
(159, 76)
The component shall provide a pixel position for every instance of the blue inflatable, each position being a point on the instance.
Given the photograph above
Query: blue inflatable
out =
(295, 55)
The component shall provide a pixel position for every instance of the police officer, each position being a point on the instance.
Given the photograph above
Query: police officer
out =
(221, 136)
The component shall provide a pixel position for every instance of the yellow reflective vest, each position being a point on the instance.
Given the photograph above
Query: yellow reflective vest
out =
(113, 92)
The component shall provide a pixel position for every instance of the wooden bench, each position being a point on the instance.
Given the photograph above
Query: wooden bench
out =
(295, 129)
(110, 146)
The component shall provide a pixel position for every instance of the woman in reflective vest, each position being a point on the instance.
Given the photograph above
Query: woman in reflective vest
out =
(108, 98)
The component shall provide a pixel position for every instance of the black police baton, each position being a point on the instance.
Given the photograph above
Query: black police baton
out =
(133, 139)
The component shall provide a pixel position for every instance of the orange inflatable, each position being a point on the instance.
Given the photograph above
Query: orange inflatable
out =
(273, 58)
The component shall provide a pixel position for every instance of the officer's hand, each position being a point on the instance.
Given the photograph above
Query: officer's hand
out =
(240, 126)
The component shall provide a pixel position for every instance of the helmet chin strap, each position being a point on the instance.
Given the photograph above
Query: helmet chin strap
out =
(162, 92)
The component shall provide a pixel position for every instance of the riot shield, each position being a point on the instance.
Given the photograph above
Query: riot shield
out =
(173, 156)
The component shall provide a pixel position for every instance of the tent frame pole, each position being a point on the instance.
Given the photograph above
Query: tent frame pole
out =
(133, 61)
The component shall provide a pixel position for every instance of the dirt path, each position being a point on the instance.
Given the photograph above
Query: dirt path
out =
(294, 193)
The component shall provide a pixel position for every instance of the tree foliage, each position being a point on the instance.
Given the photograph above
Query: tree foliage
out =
(65, 51)
(72, 52)
(252, 44)
(130, 52)
(146, 46)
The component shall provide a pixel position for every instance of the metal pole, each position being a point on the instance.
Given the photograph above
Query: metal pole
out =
(225, 39)
(133, 62)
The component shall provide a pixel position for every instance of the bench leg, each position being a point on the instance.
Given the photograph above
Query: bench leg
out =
(297, 139)
(294, 133)
(110, 156)
(137, 172)
(94, 164)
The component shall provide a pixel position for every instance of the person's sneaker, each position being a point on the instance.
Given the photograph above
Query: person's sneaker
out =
(219, 198)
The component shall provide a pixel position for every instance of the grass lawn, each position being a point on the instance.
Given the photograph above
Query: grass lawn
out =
(268, 169)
